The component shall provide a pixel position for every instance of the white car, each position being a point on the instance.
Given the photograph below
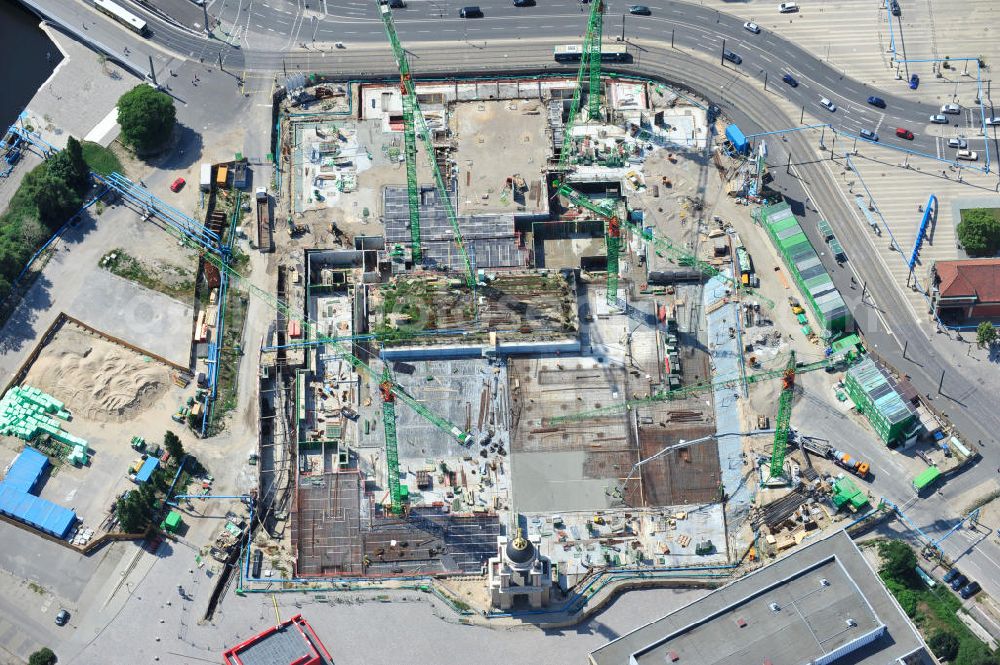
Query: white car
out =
(957, 143)
(750, 26)
(967, 155)
(827, 104)
(994, 121)
(788, 8)
(951, 108)
(939, 119)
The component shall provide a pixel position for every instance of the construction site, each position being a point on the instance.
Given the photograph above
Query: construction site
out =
(578, 357)
(518, 333)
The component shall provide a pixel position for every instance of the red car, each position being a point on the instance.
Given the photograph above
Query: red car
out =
(904, 133)
(177, 185)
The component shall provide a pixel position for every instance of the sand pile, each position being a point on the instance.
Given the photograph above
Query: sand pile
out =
(98, 380)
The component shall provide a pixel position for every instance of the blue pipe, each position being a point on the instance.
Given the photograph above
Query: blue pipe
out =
(919, 240)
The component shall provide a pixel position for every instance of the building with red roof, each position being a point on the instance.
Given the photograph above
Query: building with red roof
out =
(967, 289)
(291, 642)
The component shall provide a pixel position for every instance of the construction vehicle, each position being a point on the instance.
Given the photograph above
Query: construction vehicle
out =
(857, 467)
(264, 220)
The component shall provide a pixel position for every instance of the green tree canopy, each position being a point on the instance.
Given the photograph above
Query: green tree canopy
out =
(986, 334)
(147, 117)
(944, 645)
(979, 231)
(56, 200)
(43, 656)
(172, 443)
(69, 166)
(898, 560)
(131, 513)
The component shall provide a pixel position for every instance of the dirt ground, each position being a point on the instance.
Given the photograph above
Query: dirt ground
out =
(496, 140)
(97, 379)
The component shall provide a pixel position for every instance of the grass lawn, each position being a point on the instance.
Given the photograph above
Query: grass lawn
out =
(100, 159)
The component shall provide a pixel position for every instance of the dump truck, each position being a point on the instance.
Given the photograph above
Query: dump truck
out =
(857, 467)
(263, 220)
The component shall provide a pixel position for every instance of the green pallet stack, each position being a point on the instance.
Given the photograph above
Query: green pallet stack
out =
(27, 412)
(874, 394)
(808, 272)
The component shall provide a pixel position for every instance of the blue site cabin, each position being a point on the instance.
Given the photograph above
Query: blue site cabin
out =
(148, 467)
(737, 138)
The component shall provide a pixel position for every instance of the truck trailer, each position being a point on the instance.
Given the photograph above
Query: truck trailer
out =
(264, 243)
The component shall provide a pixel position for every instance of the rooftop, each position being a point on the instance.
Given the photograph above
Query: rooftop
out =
(293, 642)
(972, 278)
(824, 601)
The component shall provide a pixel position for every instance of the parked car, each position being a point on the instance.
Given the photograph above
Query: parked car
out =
(894, 8)
(639, 10)
(958, 143)
(951, 108)
(993, 121)
(750, 26)
(869, 135)
(877, 101)
(959, 582)
(939, 119)
(732, 57)
(904, 133)
(969, 590)
(950, 575)
(788, 8)
(62, 617)
(914, 81)
(177, 185)
(967, 155)
(790, 80)
(827, 104)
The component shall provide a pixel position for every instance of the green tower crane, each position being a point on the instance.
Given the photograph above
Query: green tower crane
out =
(595, 31)
(782, 422)
(391, 446)
(415, 125)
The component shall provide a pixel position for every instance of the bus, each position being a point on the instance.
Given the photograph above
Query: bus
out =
(123, 16)
(609, 53)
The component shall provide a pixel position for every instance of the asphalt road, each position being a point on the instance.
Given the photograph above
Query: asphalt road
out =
(511, 40)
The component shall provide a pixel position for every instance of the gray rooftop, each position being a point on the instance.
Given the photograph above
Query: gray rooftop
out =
(829, 604)
(286, 645)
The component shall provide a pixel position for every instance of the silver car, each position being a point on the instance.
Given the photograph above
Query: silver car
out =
(939, 119)
(958, 143)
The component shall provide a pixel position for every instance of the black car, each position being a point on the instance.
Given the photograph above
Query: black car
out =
(959, 582)
(969, 590)
(894, 7)
(471, 12)
(732, 57)
(950, 575)
(877, 101)
(62, 618)
(790, 80)
(640, 10)
(524, 3)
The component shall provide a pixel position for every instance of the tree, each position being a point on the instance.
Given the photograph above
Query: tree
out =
(898, 561)
(979, 231)
(147, 117)
(56, 200)
(944, 645)
(986, 334)
(70, 166)
(131, 515)
(172, 443)
(43, 656)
